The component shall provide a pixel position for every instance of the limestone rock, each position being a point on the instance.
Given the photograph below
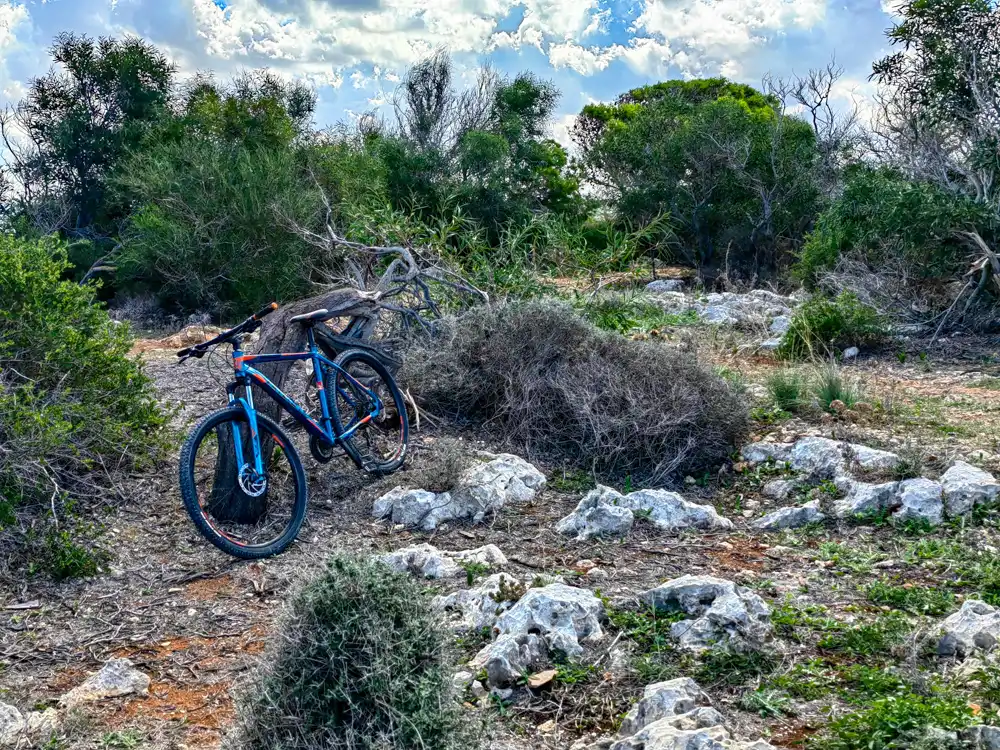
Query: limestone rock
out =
(779, 489)
(509, 657)
(427, 561)
(863, 498)
(563, 615)
(975, 626)
(780, 325)
(605, 512)
(478, 607)
(966, 486)
(720, 612)
(671, 512)
(791, 518)
(598, 515)
(12, 725)
(482, 489)
(665, 285)
(663, 735)
(920, 500)
(662, 700)
(116, 678)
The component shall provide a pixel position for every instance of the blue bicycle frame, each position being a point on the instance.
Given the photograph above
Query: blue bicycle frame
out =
(247, 375)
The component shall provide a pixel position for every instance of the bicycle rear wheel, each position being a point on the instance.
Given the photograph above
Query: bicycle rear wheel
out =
(380, 441)
(243, 514)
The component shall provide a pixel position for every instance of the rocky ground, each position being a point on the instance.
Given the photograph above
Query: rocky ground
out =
(749, 630)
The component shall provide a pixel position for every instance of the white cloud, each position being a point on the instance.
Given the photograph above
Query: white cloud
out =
(712, 33)
(585, 61)
(14, 19)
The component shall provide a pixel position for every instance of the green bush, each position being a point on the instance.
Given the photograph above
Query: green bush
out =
(787, 390)
(212, 232)
(898, 722)
(73, 404)
(359, 662)
(883, 218)
(823, 325)
(538, 375)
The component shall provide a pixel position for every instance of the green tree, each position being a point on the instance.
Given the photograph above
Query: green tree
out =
(80, 120)
(944, 94)
(722, 160)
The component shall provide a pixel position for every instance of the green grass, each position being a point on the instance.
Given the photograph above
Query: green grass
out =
(808, 680)
(989, 384)
(894, 723)
(915, 599)
(787, 390)
(725, 666)
(868, 639)
(767, 703)
(625, 314)
(830, 385)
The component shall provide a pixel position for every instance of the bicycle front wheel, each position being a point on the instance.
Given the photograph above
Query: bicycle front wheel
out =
(243, 513)
(365, 398)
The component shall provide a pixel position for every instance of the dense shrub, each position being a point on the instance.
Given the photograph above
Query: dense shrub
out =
(73, 404)
(541, 377)
(823, 325)
(883, 219)
(359, 662)
(213, 227)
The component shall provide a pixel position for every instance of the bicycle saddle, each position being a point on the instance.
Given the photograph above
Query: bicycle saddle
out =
(311, 317)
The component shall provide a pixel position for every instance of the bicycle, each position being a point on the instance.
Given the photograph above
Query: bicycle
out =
(241, 477)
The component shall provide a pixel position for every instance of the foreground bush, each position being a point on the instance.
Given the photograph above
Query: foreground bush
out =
(542, 378)
(824, 326)
(73, 405)
(360, 662)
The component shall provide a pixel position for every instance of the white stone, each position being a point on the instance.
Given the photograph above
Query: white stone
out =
(975, 626)
(863, 498)
(482, 489)
(851, 353)
(116, 678)
(920, 500)
(597, 515)
(720, 611)
(758, 453)
(665, 285)
(780, 325)
(478, 607)
(966, 486)
(12, 725)
(427, 561)
(563, 615)
(509, 657)
(779, 489)
(662, 700)
(663, 735)
(669, 511)
(605, 512)
(791, 518)
(461, 680)
(871, 459)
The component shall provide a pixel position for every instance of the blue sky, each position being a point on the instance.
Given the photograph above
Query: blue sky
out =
(353, 51)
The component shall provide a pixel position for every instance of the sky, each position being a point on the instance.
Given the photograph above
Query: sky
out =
(354, 51)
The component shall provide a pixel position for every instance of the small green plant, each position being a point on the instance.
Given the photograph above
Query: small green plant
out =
(863, 683)
(509, 590)
(570, 673)
(895, 723)
(727, 666)
(767, 703)
(123, 740)
(66, 557)
(473, 570)
(808, 680)
(787, 389)
(361, 661)
(789, 618)
(868, 639)
(572, 481)
(917, 600)
(901, 356)
(823, 326)
(830, 385)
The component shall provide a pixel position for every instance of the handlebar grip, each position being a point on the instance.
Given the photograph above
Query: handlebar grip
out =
(184, 352)
(265, 311)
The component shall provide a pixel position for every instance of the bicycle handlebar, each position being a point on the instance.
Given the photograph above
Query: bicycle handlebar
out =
(249, 325)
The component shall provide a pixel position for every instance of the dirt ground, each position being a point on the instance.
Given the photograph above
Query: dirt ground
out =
(194, 619)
